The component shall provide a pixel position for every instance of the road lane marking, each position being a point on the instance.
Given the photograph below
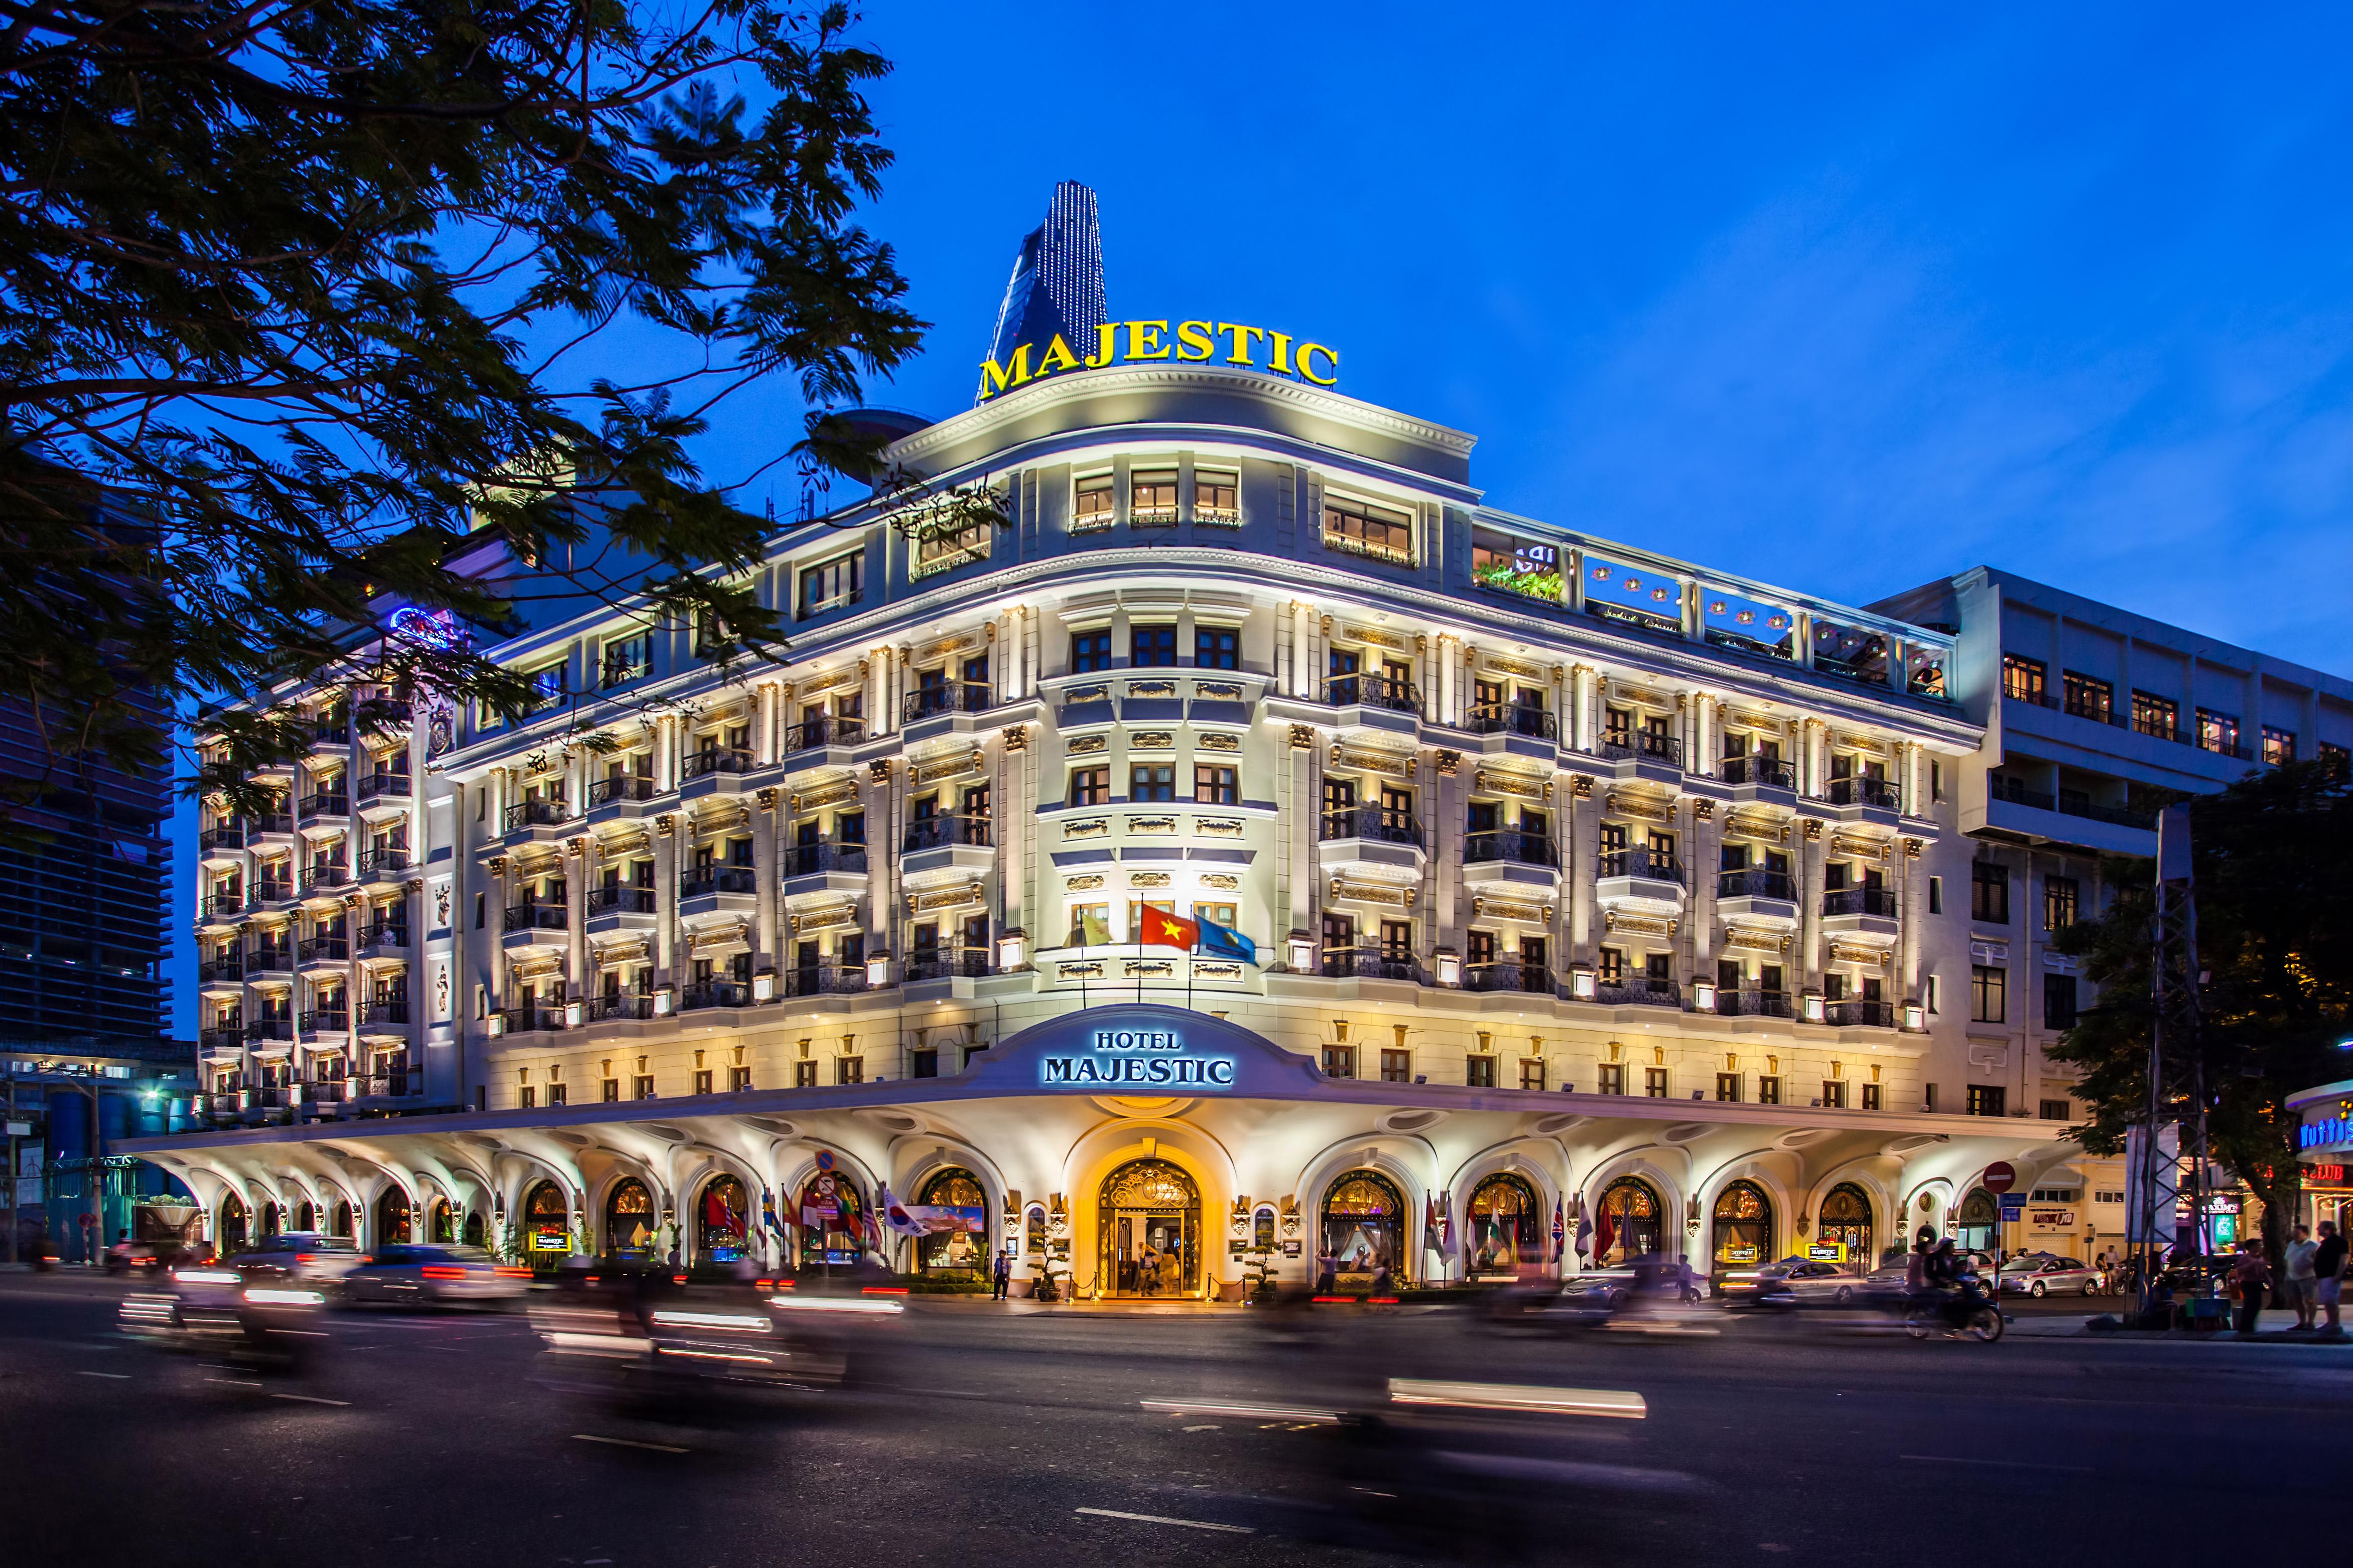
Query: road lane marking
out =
(1239, 1408)
(118, 1376)
(1623, 1405)
(232, 1383)
(2004, 1464)
(626, 1443)
(313, 1399)
(1162, 1519)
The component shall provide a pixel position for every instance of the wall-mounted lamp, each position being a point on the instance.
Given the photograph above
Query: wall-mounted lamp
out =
(1704, 995)
(664, 998)
(1449, 967)
(1012, 948)
(1812, 1004)
(764, 985)
(878, 970)
(1581, 982)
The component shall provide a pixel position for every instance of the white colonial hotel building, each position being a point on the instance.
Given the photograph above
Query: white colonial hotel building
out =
(1579, 876)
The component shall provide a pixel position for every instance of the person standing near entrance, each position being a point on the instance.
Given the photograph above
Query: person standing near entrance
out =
(2252, 1277)
(2301, 1278)
(1000, 1274)
(2328, 1277)
(1147, 1269)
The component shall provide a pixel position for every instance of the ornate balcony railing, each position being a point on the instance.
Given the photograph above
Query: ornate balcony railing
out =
(1646, 744)
(1859, 901)
(545, 812)
(934, 832)
(825, 854)
(1384, 825)
(628, 786)
(949, 697)
(620, 900)
(1770, 770)
(538, 917)
(704, 880)
(1512, 719)
(1654, 863)
(1510, 844)
(1860, 791)
(825, 730)
(1395, 695)
(1756, 883)
(1508, 974)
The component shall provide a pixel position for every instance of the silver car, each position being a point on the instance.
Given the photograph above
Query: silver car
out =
(2041, 1273)
(414, 1274)
(1798, 1280)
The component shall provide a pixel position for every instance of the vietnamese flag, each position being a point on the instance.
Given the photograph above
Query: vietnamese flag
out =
(1158, 928)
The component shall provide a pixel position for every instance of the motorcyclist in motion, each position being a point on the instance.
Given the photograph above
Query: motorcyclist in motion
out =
(1949, 1295)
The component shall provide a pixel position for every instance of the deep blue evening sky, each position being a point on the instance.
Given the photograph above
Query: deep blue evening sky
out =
(1841, 298)
(1844, 299)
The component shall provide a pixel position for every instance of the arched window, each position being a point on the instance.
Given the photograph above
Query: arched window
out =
(1506, 1226)
(1742, 1224)
(474, 1231)
(1366, 1233)
(1149, 1230)
(444, 1224)
(344, 1225)
(391, 1217)
(954, 1211)
(546, 1226)
(1628, 1224)
(629, 1221)
(1846, 1217)
(306, 1218)
(268, 1220)
(722, 1220)
(1974, 1222)
(232, 1224)
(832, 1220)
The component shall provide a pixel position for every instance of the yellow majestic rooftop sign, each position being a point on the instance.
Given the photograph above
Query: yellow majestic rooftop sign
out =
(1129, 342)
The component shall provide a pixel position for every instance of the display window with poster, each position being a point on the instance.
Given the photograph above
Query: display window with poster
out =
(1742, 1223)
(953, 1212)
(629, 1222)
(1363, 1232)
(1627, 1224)
(1506, 1229)
(723, 1221)
(1845, 1219)
(832, 1228)
(546, 1230)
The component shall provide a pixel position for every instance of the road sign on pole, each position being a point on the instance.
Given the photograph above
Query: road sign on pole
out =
(2000, 1177)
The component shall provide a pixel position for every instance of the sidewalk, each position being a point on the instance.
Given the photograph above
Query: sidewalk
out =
(2274, 1325)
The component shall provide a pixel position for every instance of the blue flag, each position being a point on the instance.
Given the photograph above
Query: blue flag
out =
(1217, 942)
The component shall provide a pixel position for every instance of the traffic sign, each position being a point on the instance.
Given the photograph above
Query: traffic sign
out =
(2000, 1176)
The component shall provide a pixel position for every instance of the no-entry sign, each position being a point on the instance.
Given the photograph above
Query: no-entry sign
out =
(2000, 1177)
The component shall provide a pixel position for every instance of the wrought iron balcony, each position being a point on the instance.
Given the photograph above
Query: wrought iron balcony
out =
(1769, 770)
(384, 785)
(228, 903)
(390, 860)
(1862, 791)
(1860, 1013)
(707, 880)
(1640, 991)
(1859, 901)
(714, 994)
(1513, 718)
(537, 917)
(318, 802)
(1654, 863)
(1508, 974)
(546, 813)
(220, 970)
(946, 828)
(948, 963)
(1510, 844)
(386, 1014)
(824, 979)
(270, 1029)
(279, 823)
(331, 732)
(270, 957)
(628, 786)
(1756, 883)
(1384, 825)
(1645, 743)
(326, 1020)
(950, 696)
(620, 900)
(1395, 695)
(222, 836)
(825, 854)
(229, 1037)
(712, 761)
(383, 934)
(1748, 1003)
(626, 1005)
(269, 890)
(525, 1020)
(325, 950)
(825, 730)
(320, 875)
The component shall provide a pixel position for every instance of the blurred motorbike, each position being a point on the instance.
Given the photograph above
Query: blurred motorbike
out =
(251, 1314)
(1960, 1314)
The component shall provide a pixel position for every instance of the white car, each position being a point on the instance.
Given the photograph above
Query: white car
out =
(2041, 1274)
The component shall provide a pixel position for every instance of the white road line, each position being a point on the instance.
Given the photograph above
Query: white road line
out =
(232, 1383)
(2003, 1464)
(625, 1443)
(1158, 1519)
(313, 1399)
(118, 1376)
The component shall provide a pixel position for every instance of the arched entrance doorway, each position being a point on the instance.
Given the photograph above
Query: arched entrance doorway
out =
(832, 1220)
(955, 1226)
(1629, 1225)
(474, 1231)
(1507, 1227)
(441, 1225)
(629, 1221)
(1975, 1221)
(391, 1217)
(232, 1224)
(1149, 1231)
(722, 1218)
(344, 1225)
(547, 1228)
(306, 1218)
(1364, 1233)
(268, 1220)
(1743, 1225)
(1846, 1217)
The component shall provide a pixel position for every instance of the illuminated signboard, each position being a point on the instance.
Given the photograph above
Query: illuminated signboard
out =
(1137, 1059)
(1147, 342)
(2323, 1131)
(1826, 1251)
(546, 1239)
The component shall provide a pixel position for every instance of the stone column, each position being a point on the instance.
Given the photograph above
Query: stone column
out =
(768, 828)
(580, 865)
(1580, 827)
(1809, 856)
(665, 848)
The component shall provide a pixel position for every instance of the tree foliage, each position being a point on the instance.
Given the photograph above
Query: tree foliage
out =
(303, 287)
(2274, 876)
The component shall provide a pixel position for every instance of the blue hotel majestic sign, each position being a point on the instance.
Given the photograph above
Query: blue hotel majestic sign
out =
(1137, 1059)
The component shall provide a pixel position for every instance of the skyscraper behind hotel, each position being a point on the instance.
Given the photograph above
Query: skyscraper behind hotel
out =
(1057, 280)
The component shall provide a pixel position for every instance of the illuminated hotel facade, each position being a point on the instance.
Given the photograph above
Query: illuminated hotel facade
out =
(1582, 882)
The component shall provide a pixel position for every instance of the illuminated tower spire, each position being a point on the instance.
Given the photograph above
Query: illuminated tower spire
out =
(1058, 280)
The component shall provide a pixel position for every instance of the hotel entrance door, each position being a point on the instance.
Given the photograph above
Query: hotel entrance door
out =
(1149, 1232)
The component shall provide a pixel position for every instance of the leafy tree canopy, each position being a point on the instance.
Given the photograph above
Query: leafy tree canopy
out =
(301, 288)
(2274, 876)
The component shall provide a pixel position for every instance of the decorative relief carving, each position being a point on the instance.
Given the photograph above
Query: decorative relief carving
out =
(1632, 924)
(1215, 969)
(1216, 827)
(1741, 718)
(1449, 764)
(1148, 969)
(1086, 884)
(1147, 878)
(1625, 693)
(1912, 848)
(826, 794)
(818, 685)
(945, 767)
(1086, 694)
(1217, 741)
(1853, 844)
(1152, 688)
(1487, 906)
(940, 647)
(1757, 825)
(1343, 891)
(1863, 743)
(1502, 666)
(954, 898)
(1017, 736)
(1303, 737)
(879, 770)
(1086, 745)
(1703, 810)
(1842, 951)
(1580, 787)
(1220, 882)
(1813, 829)
(1751, 939)
(825, 919)
(767, 798)
(1497, 781)
(1153, 825)
(1093, 827)
(1092, 968)
(1640, 808)
(1218, 690)
(1373, 637)
(1372, 759)
(1151, 740)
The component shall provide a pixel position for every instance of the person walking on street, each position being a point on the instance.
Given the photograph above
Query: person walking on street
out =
(2328, 1276)
(1000, 1275)
(2253, 1278)
(2300, 1275)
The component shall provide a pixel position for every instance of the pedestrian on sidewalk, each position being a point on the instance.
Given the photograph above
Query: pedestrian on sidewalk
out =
(2301, 1279)
(1000, 1274)
(2252, 1278)
(2328, 1277)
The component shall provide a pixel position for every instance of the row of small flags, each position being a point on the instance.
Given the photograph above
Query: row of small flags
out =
(1161, 929)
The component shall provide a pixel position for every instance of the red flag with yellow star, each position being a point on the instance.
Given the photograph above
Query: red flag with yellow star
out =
(1161, 929)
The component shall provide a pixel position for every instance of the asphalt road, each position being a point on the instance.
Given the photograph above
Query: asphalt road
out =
(981, 1438)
